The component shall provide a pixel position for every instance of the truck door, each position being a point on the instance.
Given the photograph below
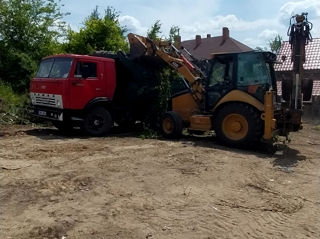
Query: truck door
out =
(85, 82)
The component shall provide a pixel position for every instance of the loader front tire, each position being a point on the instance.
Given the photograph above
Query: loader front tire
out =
(238, 125)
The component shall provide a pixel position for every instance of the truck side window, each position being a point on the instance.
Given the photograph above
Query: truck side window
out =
(86, 70)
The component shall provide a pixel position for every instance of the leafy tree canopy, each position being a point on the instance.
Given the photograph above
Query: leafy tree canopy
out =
(173, 33)
(29, 30)
(97, 34)
(275, 44)
(154, 31)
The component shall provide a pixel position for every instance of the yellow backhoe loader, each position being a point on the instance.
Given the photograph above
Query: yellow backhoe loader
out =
(234, 94)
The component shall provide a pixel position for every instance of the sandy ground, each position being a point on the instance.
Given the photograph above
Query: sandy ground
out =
(121, 186)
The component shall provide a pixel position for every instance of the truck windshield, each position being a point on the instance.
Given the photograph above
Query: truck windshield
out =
(54, 68)
(253, 70)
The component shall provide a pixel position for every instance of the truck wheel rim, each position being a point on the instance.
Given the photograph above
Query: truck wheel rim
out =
(167, 126)
(96, 122)
(235, 126)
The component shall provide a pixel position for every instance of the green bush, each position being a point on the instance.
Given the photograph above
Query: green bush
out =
(13, 107)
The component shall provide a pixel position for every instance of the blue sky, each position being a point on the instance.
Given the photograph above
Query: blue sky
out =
(253, 22)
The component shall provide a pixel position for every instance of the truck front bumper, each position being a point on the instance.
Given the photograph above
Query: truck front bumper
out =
(47, 113)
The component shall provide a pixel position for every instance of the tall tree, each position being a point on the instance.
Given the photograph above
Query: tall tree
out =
(173, 33)
(154, 31)
(98, 34)
(275, 44)
(29, 30)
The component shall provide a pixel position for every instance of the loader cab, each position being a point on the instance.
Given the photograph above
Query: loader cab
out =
(251, 72)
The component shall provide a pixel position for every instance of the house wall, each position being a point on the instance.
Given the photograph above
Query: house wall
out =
(312, 110)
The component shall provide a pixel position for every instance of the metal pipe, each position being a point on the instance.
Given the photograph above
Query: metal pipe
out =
(297, 91)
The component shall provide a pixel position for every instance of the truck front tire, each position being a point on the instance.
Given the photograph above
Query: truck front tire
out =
(97, 122)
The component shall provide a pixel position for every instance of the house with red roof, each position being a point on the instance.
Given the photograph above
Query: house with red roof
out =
(311, 75)
(203, 48)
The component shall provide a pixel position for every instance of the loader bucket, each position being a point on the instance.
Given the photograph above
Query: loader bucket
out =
(138, 46)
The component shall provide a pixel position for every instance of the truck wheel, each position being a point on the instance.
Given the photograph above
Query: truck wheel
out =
(172, 125)
(238, 125)
(97, 122)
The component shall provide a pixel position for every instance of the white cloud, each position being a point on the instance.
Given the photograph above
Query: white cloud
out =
(133, 25)
(267, 34)
(292, 8)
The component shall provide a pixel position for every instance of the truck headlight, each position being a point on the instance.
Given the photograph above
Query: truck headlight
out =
(33, 98)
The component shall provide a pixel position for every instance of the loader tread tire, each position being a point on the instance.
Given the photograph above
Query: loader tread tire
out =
(238, 125)
(172, 125)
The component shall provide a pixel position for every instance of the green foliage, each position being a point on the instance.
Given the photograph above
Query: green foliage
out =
(154, 31)
(166, 78)
(173, 33)
(317, 127)
(32, 29)
(97, 34)
(275, 44)
(258, 48)
(13, 106)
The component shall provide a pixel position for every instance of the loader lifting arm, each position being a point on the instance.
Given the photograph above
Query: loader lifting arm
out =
(299, 36)
(140, 46)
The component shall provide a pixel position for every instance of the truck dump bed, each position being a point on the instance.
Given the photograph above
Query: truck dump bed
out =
(138, 81)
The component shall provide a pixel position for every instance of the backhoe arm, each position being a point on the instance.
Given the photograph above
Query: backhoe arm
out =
(140, 46)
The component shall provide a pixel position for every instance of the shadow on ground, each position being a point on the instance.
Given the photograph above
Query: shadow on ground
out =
(53, 133)
(287, 157)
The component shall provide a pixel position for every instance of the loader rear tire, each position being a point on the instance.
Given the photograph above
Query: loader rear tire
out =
(172, 125)
(238, 125)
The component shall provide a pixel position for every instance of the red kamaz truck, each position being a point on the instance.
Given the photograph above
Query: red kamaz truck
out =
(92, 92)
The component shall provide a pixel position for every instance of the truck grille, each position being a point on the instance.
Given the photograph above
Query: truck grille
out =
(45, 101)
(49, 100)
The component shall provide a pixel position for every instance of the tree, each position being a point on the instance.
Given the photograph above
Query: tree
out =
(275, 44)
(29, 30)
(173, 33)
(154, 31)
(97, 34)
(259, 48)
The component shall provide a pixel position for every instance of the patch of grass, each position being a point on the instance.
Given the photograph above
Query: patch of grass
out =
(317, 127)
(13, 106)
(148, 133)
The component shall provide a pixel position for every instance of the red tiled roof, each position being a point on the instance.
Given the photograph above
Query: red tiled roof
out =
(312, 56)
(315, 88)
(279, 87)
(211, 45)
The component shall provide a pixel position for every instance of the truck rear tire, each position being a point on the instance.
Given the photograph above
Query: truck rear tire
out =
(97, 122)
(172, 125)
(238, 125)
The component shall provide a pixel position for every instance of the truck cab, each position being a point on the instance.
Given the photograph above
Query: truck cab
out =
(67, 87)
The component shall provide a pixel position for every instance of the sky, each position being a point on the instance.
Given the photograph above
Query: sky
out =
(252, 22)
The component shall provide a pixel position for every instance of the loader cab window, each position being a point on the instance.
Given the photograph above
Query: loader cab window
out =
(253, 70)
(219, 82)
(221, 74)
(85, 70)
